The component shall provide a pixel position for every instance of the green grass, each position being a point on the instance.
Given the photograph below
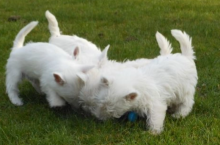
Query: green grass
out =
(130, 27)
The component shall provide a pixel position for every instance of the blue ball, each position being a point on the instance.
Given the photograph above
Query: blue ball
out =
(132, 116)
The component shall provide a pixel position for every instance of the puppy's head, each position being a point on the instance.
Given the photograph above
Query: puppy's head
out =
(111, 96)
(70, 80)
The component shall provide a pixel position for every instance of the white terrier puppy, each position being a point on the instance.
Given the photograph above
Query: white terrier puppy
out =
(89, 52)
(58, 74)
(91, 90)
(165, 81)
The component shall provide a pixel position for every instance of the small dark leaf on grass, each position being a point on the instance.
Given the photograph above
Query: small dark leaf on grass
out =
(101, 35)
(14, 18)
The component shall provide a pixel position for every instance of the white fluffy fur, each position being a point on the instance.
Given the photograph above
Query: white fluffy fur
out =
(19, 40)
(89, 52)
(90, 91)
(92, 84)
(55, 70)
(164, 44)
(166, 81)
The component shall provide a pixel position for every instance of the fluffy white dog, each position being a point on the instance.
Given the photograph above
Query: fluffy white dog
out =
(89, 52)
(58, 73)
(166, 81)
(90, 92)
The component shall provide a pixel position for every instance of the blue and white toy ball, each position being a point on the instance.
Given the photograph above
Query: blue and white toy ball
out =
(132, 116)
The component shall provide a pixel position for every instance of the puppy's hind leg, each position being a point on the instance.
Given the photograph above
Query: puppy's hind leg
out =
(13, 77)
(183, 109)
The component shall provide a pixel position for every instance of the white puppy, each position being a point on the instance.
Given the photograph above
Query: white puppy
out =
(165, 81)
(92, 88)
(59, 75)
(89, 52)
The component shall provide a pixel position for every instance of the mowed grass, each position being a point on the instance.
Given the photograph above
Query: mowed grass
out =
(129, 27)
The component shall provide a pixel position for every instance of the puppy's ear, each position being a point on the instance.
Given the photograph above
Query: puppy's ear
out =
(82, 78)
(104, 54)
(104, 81)
(58, 79)
(131, 96)
(76, 52)
(103, 57)
(85, 69)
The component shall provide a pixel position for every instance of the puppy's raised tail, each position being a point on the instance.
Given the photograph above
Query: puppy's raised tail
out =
(185, 43)
(19, 39)
(52, 24)
(164, 44)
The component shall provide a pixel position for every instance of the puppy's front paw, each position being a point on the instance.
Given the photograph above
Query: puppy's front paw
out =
(57, 103)
(17, 101)
(155, 132)
(176, 115)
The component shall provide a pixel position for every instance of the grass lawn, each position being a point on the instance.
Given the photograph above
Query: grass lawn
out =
(130, 27)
